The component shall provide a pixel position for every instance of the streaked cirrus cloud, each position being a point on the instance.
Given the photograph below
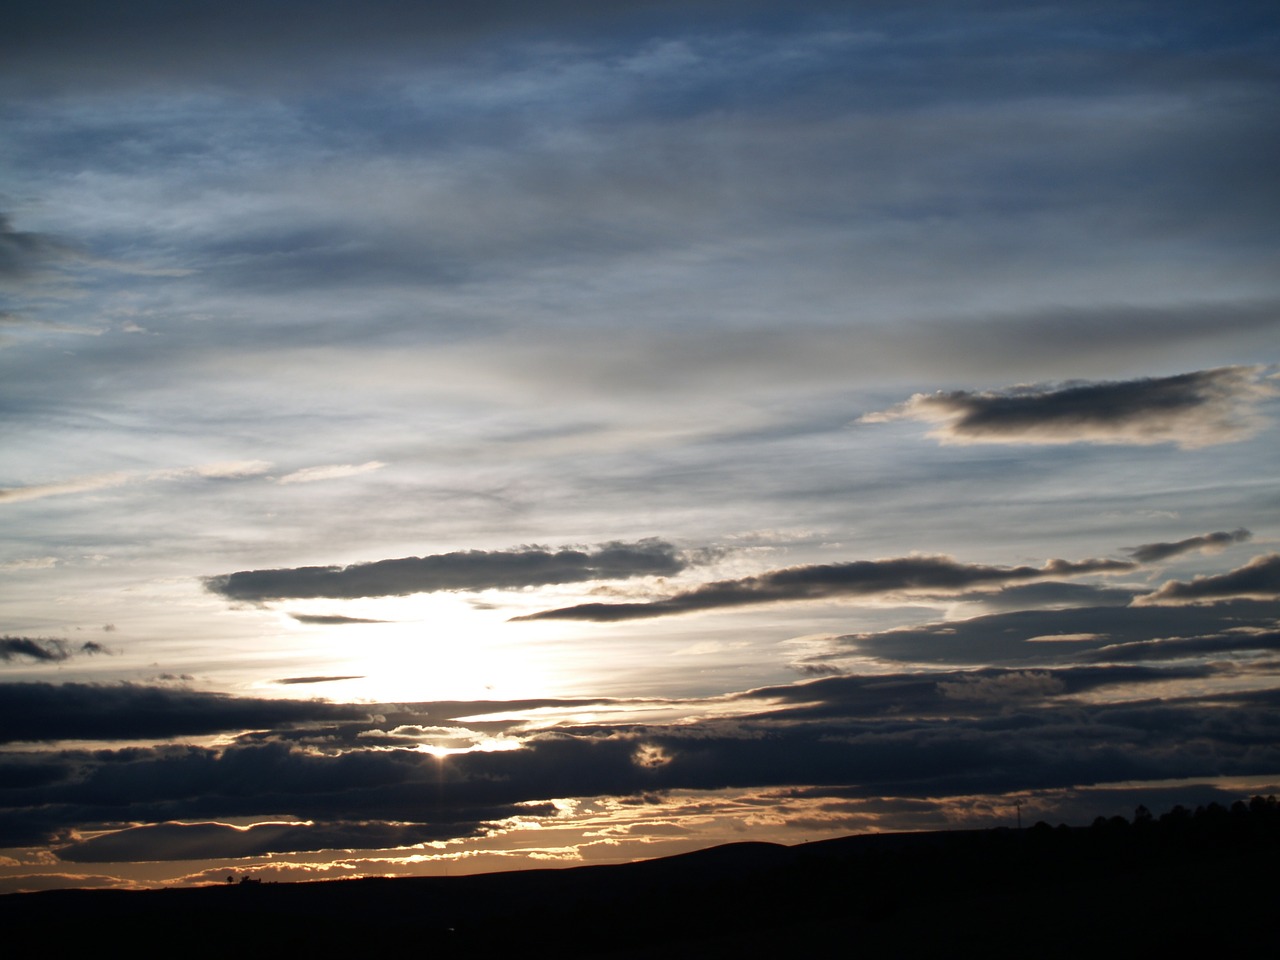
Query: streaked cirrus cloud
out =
(331, 472)
(222, 470)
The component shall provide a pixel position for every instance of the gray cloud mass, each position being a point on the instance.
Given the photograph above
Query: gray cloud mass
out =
(1191, 410)
(1208, 542)
(462, 570)
(25, 254)
(45, 649)
(1259, 579)
(907, 734)
(859, 578)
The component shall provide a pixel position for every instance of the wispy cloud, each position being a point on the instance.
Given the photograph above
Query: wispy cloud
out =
(1191, 410)
(331, 472)
(463, 570)
(859, 578)
(222, 470)
(86, 484)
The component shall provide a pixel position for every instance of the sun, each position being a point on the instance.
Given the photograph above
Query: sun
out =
(440, 646)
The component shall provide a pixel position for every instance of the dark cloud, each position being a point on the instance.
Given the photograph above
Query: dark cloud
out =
(24, 255)
(1259, 579)
(241, 43)
(1177, 648)
(1209, 542)
(293, 680)
(987, 691)
(911, 735)
(1192, 410)
(328, 620)
(201, 841)
(1054, 636)
(463, 570)
(45, 649)
(78, 711)
(859, 578)
(1051, 594)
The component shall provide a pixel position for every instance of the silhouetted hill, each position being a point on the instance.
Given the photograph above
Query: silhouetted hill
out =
(1202, 880)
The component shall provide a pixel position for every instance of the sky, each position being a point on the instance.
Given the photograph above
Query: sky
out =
(442, 438)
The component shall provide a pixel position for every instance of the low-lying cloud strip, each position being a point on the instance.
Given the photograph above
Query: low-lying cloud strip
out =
(45, 649)
(49, 712)
(1198, 409)
(1259, 579)
(859, 578)
(1209, 542)
(918, 734)
(462, 570)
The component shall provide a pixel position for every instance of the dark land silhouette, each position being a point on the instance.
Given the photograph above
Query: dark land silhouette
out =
(1184, 881)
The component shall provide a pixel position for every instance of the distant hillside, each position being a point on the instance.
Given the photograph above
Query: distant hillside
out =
(1189, 879)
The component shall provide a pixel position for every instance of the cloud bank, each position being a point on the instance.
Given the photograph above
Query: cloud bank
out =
(46, 712)
(1191, 410)
(462, 570)
(902, 734)
(859, 578)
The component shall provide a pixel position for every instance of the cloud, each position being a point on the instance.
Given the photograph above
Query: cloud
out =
(84, 484)
(908, 734)
(1209, 543)
(293, 680)
(1016, 637)
(30, 563)
(223, 470)
(1050, 594)
(330, 620)
(1192, 410)
(463, 570)
(203, 841)
(24, 255)
(1259, 579)
(331, 472)
(45, 649)
(859, 578)
(1177, 648)
(44, 711)
(1003, 688)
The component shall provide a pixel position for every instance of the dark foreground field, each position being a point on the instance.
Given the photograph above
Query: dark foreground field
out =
(1186, 882)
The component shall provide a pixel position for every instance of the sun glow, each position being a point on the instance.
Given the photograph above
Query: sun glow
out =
(429, 647)
(440, 751)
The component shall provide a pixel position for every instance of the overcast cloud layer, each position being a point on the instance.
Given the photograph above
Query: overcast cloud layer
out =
(643, 424)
